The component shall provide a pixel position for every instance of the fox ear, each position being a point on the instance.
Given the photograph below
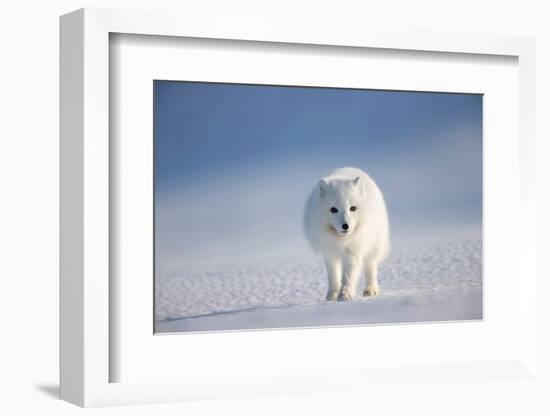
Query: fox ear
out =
(357, 180)
(323, 187)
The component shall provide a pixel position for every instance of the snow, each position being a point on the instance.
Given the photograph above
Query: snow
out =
(428, 280)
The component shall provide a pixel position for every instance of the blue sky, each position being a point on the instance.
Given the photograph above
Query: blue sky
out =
(227, 153)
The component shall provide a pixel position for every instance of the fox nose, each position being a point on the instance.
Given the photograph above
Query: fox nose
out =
(345, 226)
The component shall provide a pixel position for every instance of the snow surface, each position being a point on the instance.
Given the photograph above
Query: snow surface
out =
(423, 281)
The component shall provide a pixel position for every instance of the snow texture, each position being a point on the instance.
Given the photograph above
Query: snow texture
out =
(431, 280)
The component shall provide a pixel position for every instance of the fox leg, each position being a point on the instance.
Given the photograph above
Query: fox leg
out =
(371, 279)
(352, 269)
(334, 273)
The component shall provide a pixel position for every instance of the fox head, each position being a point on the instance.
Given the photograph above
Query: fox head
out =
(342, 204)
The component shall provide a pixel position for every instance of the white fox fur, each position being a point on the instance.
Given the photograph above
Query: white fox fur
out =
(346, 221)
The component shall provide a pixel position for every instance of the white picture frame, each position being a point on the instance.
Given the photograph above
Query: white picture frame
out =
(86, 291)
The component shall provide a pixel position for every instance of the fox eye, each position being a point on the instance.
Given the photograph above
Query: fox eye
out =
(333, 210)
(353, 209)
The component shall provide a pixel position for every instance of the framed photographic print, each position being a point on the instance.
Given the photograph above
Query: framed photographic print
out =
(239, 207)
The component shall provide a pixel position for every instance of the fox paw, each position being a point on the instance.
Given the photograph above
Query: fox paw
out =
(371, 291)
(332, 295)
(344, 296)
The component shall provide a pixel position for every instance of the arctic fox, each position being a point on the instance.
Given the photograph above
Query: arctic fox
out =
(346, 221)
